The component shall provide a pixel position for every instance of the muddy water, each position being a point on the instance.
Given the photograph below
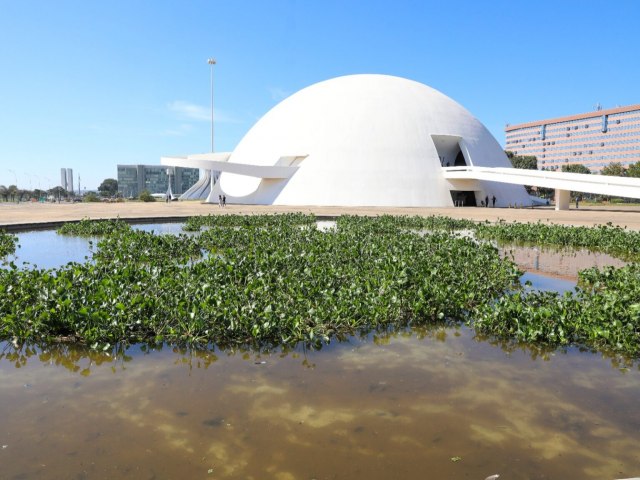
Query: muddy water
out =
(435, 404)
(561, 263)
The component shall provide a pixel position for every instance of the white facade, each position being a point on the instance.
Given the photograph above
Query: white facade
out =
(359, 140)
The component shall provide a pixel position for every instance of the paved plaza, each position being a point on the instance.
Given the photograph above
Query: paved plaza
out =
(13, 215)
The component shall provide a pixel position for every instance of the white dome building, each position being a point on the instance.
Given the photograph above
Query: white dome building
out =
(360, 140)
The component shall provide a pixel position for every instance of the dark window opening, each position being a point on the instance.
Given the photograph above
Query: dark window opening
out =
(460, 161)
(464, 198)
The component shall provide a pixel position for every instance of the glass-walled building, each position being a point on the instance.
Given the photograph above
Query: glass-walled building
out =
(595, 139)
(133, 179)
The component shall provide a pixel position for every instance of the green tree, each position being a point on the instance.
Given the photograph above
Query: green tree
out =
(145, 196)
(58, 193)
(527, 162)
(575, 168)
(614, 169)
(634, 170)
(12, 191)
(108, 187)
(39, 194)
(91, 197)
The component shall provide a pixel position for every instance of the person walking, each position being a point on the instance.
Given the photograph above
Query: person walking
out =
(493, 200)
(577, 201)
(224, 200)
(220, 200)
(486, 201)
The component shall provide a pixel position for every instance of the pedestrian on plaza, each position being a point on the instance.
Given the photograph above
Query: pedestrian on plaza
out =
(486, 201)
(493, 200)
(224, 200)
(220, 200)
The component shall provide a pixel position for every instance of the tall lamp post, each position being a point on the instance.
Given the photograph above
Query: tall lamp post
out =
(211, 62)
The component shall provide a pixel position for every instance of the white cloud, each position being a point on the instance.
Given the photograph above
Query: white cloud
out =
(190, 111)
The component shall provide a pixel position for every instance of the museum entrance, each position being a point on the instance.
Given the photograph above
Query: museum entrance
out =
(463, 198)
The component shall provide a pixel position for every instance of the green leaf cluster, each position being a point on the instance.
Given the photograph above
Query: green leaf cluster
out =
(255, 286)
(278, 280)
(603, 313)
(145, 196)
(8, 243)
(614, 240)
(93, 228)
(194, 224)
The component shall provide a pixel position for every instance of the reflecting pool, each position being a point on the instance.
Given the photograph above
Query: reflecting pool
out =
(441, 401)
(48, 249)
(546, 268)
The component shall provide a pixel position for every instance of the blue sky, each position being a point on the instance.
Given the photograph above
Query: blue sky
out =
(89, 84)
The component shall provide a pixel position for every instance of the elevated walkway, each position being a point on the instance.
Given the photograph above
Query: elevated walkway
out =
(562, 182)
(214, 164)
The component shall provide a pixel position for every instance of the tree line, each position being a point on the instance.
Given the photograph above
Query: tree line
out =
(614, 169)
(530, 162)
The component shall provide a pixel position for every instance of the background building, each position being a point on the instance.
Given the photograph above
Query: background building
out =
(133, 179)
(593, 139)
(66, 179)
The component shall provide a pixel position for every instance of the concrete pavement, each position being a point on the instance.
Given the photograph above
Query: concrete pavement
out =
(18, 216)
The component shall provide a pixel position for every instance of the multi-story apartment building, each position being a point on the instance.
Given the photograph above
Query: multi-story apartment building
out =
(133, 179)
(593, 139)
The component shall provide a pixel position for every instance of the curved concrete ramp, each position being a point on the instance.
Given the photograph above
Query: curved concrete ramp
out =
(562, 182)
(199, 190)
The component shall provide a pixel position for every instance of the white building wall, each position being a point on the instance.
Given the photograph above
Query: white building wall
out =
(368, 141)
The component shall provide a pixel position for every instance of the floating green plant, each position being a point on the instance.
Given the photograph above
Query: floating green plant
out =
(277, 285)
(194, 224)
(614, 240)
(93, 228)
(602, 314)
(8, 243)
(266, 281)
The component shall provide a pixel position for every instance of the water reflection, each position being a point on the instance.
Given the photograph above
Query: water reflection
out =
(540, 281)
(563, 263)
(81, 359)
(47, 249)
(381, 405)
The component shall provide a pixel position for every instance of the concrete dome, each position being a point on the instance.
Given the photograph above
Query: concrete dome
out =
(366, 140)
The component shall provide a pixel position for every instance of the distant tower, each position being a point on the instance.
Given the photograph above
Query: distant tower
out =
(63, 178)
(70, 180)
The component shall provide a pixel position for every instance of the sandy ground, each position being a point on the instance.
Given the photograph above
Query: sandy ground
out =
(21, 215)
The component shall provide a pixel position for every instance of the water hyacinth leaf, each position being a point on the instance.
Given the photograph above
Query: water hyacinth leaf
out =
(277, 279)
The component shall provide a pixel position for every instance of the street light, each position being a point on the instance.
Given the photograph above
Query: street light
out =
(212, 62)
